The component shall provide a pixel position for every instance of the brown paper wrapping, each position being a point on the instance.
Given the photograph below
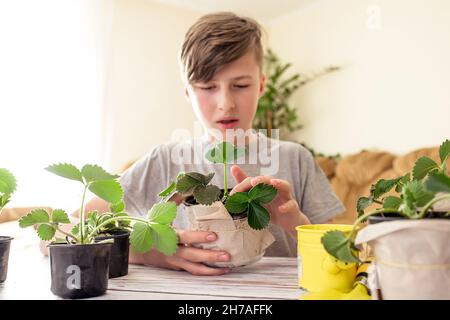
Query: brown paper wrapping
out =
(412, 259)
(244, 244)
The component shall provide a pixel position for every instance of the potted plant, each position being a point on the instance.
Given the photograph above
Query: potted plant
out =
(7, 187)
(79, 261)
(240, 220)
(411, 243)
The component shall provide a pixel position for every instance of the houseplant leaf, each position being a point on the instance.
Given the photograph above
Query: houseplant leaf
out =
(392, 202)
(338, 245)
(34, 217)
(66, 170)
(94, 173)
(186, 183)
(417, 194)
(444, 150)
(108, 190)
(46, 231)
(438, 182)
(165, 239)
(224, 152)
(201, 177)
(362, 204)
(8, 183)
(60, 216)
(117, 207)
(262, 193)
(163, 213)
(422, 167)
(383, 186)
(237, 203)
(258, 216)
(141, 237)
(206, 194)
(168, 190)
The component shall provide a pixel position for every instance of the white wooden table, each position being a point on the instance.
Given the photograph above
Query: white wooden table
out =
(270, 278)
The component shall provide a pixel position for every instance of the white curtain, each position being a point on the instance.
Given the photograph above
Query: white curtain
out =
(52, 63)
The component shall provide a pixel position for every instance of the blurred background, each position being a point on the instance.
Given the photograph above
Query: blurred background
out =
(97, 81)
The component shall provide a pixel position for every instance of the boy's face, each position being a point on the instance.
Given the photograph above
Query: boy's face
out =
(230, 99)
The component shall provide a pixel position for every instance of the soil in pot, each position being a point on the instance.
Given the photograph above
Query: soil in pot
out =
(80, 270)
(118, 265)
(5, 243)
(392, 217)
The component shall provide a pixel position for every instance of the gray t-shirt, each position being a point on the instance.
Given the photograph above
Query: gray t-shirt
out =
(281, 159)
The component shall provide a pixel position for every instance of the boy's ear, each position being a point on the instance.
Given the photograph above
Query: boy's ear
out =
(262, 85)
(186, 94)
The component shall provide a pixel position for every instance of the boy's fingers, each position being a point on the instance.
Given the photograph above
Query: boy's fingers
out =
(202, 255)
(238, 174)
(199, 269)
(281, 185)
(192, 237)
(290, 206)
(245, 185)
(261, 179)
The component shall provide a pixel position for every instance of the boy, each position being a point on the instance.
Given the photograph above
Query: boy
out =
(221, 60)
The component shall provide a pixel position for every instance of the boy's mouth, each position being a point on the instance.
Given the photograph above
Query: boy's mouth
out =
(227, 123)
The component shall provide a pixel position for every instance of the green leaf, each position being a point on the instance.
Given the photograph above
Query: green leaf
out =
(46, 232)
(163, 213)
(108, 190)
(141, 237)
(122, 224)
(8, 183)
(224, 152)
(4, 199)
(186, 183)
(339, 246)
(383, 186)
(238, 202)
(165, 239)
(392, 202)
(206, 194)
(422, 167)
(201, 177)
(416, 194)
(66, 170)
(60, 216)
(262, 193)
(76, 229)
(258, 216)
(34, 217)
(95, 173)
(444, 150)
(117, 207)
(403, 180)
(168, 190)
(362, 204)
(438, 182)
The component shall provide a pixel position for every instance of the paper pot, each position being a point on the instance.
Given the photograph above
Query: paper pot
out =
(244, 244)
(412, 260)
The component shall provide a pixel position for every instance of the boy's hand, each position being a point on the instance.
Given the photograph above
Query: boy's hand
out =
(187, 257)
(284, 209)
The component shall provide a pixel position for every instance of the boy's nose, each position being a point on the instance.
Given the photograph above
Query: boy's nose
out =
(226, 101)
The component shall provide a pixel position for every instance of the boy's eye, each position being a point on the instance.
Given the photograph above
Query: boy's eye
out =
(207, 87)
(241, 86)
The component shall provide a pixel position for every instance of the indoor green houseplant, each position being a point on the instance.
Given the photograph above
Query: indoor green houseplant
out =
(79, 261)
(8, 185)
(411, 243)
(242, 213)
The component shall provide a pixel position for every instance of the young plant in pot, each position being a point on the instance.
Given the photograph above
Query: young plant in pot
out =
(7, 187)
(80, 260)
(240, 220)
(411, 242)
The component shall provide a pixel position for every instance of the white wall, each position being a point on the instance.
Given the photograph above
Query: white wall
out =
(393, 91)
(144, 97)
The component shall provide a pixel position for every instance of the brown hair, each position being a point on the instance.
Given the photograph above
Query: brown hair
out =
(216, 40)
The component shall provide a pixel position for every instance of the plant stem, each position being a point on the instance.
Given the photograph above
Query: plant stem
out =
(429, 204)
(67, 234)
(106, 222)
(82, 215)
(225, 182)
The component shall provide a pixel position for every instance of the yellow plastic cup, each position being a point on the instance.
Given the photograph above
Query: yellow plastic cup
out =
(317, 270)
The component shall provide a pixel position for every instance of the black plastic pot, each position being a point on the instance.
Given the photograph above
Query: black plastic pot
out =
(118, 263)
(79, 270)
(393, 217)
(5, 243)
